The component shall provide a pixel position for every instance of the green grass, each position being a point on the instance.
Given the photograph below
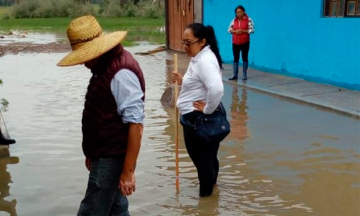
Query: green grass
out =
(3, 11)
(140, 29)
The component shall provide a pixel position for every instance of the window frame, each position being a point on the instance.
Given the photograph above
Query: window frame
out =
(341, 7)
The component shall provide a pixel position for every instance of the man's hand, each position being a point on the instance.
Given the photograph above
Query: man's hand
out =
(127, 177)
(127, 184)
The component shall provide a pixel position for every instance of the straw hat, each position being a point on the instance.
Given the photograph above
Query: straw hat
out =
(88, 41)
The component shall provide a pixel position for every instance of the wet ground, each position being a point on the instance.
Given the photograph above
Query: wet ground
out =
(282, 157)
(14, 42)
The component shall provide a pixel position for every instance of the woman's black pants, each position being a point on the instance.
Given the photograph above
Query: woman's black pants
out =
(244, 48)
(203, 154)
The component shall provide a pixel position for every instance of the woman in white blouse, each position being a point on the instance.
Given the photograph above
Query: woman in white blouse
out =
(201, 92)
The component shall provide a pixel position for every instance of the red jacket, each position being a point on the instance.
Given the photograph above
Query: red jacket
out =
(244, 25)
(104, 134)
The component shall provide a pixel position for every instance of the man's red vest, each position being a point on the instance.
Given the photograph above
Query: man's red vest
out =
(104, 134)
(244, 25)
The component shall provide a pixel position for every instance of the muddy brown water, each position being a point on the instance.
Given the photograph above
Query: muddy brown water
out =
(282, 157)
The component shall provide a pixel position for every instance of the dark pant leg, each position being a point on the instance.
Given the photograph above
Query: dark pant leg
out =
(202, 154)
(216, 160)
(102, 196)
(236, 52)
(120, 206)
(245, 51)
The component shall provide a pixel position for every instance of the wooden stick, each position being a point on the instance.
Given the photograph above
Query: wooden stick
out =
(176, 126)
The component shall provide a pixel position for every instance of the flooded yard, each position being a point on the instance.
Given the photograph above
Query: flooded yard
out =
(282, 157)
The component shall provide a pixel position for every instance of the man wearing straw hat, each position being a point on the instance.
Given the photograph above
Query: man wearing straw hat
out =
(113, 115)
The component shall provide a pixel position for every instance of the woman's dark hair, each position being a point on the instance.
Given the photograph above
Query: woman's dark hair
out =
(239, 7)
(208, 33)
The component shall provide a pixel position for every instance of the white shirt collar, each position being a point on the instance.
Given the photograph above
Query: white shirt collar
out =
(204, 50)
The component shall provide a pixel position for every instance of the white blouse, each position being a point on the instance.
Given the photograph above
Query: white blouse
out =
(202, 81)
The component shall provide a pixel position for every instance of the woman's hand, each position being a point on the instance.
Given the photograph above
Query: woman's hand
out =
(88, 163)
(176, 77)
(199, 106)
(239, 31)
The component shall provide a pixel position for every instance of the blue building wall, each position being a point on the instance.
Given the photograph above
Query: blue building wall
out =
(292, 38)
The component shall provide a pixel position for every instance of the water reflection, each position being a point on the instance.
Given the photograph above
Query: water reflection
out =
(329, 177)
(239, 115)
(297, 160)
(5, 180)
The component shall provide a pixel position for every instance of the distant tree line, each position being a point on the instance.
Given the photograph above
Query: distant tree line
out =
(11, 2)
(74, 8)
(6, 2)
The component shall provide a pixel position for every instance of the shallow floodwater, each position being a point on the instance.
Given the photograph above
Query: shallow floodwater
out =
(30, 37)
(282, 157)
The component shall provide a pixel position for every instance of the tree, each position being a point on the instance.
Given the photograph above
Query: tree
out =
(6, 2)
(82, 1)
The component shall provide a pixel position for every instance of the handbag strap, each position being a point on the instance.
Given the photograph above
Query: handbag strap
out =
(221, 109)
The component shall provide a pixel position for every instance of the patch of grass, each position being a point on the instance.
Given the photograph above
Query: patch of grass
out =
(36, 24)
(140, 29)
(4, 11)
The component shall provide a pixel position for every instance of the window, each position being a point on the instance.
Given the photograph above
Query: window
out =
(341, 8)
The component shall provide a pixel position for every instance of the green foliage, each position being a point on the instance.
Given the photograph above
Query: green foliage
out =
(50, 8)
(130, 8)
(76, 8)
(6, 2)
(139, 29)
(63, 8)
(60, 24)
(154, 11)
(4, 12)
(81, 10)
(102, 6)
(111, 8)
(3, 101)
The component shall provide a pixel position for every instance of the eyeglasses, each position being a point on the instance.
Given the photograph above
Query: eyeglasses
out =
(188, 43)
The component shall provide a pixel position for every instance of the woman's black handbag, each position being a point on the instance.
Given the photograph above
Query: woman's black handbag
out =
(213, 127)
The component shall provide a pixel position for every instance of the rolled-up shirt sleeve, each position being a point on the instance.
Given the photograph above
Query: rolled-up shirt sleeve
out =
(126, 88)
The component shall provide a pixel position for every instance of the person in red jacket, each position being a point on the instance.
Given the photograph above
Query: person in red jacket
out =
(241, 27)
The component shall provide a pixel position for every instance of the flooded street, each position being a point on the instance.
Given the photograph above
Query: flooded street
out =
(282, 157)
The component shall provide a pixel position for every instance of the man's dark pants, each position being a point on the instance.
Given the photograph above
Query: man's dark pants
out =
(103, 198)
